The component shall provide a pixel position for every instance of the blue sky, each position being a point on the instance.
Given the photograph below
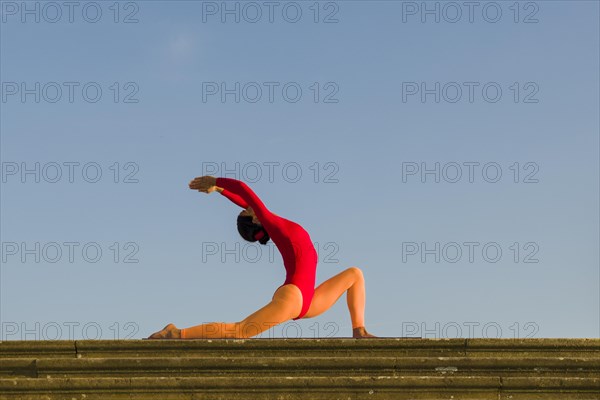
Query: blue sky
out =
(162, 119)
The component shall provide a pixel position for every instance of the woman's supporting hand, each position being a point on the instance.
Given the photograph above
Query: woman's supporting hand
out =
(205, 184)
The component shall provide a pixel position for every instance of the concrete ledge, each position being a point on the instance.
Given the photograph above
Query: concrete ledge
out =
(308, 366)
(313, 347)
(288, 369)
(313, 387)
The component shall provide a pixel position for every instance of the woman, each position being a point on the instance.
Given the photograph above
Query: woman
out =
(296, 298)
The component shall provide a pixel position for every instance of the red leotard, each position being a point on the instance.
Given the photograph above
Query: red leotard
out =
(294, 243)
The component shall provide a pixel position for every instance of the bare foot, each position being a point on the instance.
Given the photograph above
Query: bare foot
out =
(361, 333)
(169, 332)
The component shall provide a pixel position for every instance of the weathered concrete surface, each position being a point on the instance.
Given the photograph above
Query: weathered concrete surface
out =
(385, 368)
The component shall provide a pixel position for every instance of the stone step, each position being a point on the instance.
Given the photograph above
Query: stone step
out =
(318, 394)
(389, 385)
(290, 369)
(307, 366)
(334, 347)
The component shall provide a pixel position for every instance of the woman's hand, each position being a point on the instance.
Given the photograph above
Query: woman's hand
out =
(205, 184)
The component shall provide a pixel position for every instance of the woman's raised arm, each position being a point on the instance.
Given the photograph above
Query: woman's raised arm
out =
(236, 191)
(243, 191)
(233, 197)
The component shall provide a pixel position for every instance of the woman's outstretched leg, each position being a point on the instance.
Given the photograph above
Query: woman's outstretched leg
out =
(211, 330)
(285, 305)
(327, 294)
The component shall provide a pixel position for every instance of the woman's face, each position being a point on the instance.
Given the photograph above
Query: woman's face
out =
(249, 212)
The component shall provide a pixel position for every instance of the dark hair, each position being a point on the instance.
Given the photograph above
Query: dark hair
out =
(249, 229)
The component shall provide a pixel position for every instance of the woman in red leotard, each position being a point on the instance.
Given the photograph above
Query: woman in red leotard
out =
(297, 297)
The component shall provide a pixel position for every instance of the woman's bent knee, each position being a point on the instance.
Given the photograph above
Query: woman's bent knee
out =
(356, 271)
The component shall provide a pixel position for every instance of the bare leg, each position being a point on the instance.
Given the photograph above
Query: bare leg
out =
(356, 299)
(168, 332)
(285, 305)
(211, 330)
(328, 293)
